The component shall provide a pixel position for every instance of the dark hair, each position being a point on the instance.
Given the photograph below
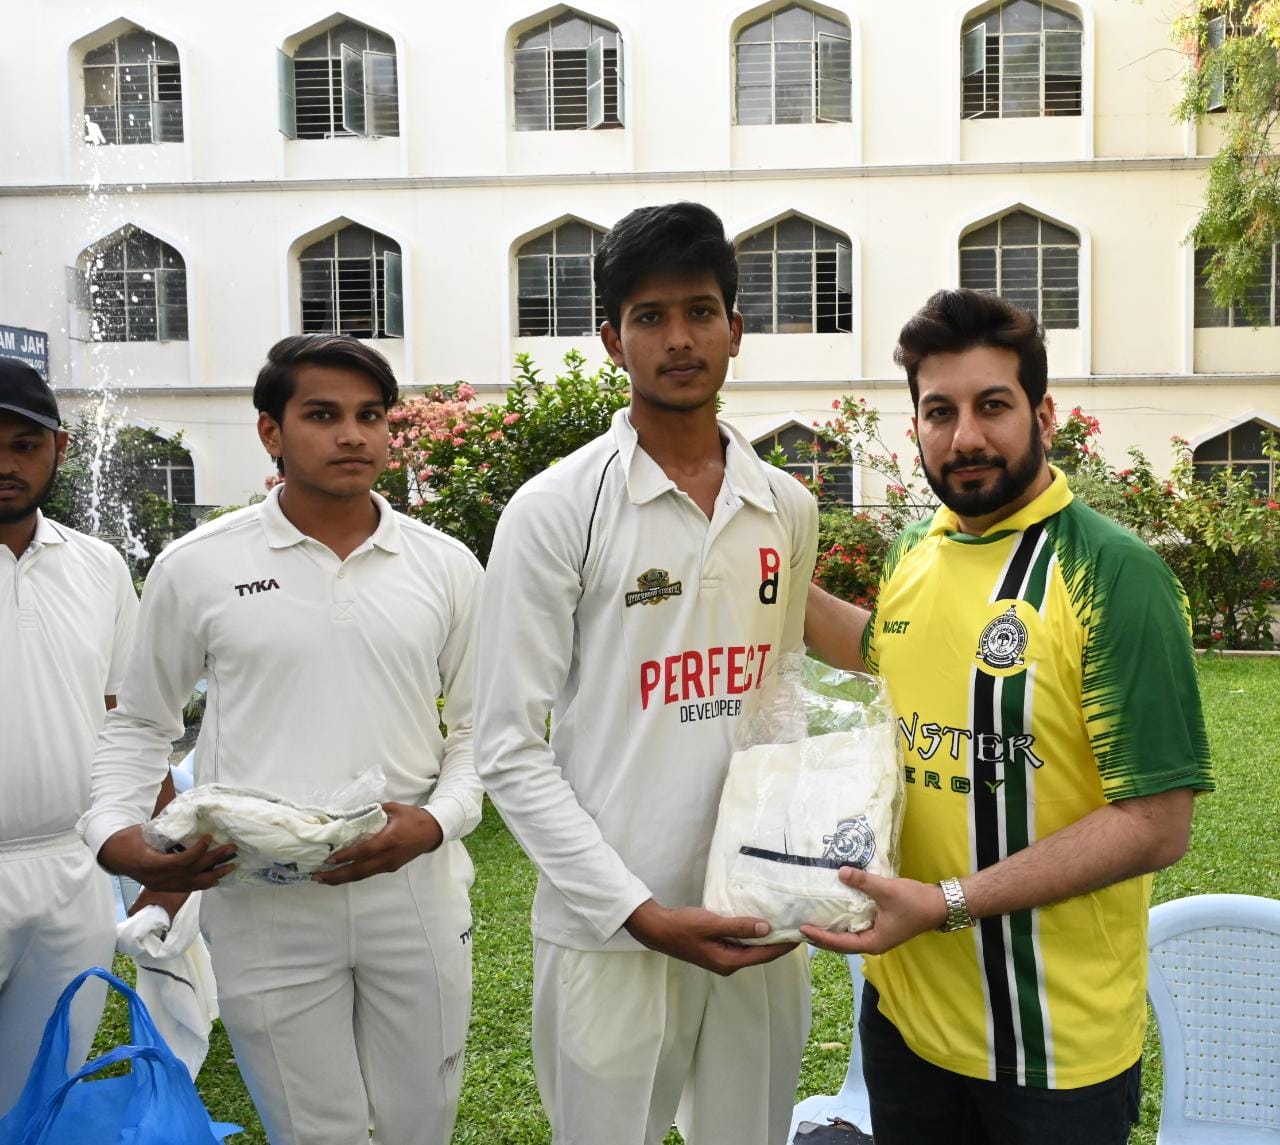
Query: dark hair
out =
(276, 380)
(956, 320)
(679, 238)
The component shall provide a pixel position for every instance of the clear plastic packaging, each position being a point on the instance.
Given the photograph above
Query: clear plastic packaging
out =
(277, 841)
(816, 784)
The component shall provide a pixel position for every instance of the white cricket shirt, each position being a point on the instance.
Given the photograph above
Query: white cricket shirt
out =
(67, 610)
(318, 668)
(612, 602)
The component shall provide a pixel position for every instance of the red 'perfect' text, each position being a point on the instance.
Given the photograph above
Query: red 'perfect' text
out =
(699, 675)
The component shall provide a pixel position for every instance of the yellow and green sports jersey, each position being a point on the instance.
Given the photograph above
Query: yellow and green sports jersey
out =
(1039, 671)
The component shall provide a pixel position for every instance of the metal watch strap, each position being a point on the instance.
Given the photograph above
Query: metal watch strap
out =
(958, 916)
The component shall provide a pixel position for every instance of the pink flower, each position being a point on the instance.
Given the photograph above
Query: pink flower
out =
(496, 435)
(459, 441)
(511, 419)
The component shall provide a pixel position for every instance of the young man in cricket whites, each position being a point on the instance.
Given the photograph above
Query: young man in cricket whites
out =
(1039, 658)
(638, 591)
(327, 625)
(67, 610)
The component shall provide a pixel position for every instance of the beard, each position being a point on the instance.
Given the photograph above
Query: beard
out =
(1014, 479)
(13, 513)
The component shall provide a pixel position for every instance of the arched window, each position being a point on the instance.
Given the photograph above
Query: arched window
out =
(1021, 59)
(135, 287)
(133, 91)
(568, 75)
(351, 284)
(171, 474)
(1028, 261)
(1260, 305)
(1240, 449)
(793, 66)
(806, 454)
(340, 82)
(795, 277)
(555, 283)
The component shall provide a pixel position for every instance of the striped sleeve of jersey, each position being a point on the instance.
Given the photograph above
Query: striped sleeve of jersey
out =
(905, 542)
(1139, 693)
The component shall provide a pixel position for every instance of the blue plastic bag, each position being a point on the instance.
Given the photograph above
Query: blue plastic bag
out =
(154, 1104)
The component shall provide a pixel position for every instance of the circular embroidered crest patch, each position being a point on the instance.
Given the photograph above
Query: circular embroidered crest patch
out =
(1003, 641)
(853, 844)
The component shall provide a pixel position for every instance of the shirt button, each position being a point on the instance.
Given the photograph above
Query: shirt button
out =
(342, 574)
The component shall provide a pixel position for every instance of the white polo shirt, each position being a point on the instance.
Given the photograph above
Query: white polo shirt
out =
(318, 668)
(611, 601)
(67, 611)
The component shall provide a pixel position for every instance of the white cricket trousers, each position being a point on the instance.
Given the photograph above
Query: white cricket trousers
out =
(57, 918)
(348, 1006)
(625, 1043)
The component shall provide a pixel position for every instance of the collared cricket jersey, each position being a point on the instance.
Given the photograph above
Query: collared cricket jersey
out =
(319, 668)
(67, 611)
(643, 628)
(1039, 671)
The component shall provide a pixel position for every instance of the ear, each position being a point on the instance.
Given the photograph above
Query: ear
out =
(1047, 419)
(735, 333)
(271, 436)
(613, 344)
(60, 440)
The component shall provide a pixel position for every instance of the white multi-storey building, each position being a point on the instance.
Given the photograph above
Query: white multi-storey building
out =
(181, 185)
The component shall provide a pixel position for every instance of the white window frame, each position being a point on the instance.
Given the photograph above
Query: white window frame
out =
(1040, 246)
(539, 62)
(1234, 316)
(385, 287)
(844, 277)
(548, 272)
(994, 87)
(93, 283)
(363, 88)
(816, 86)
(160, 127)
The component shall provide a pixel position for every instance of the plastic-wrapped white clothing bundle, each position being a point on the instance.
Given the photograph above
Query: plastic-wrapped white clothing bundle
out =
(277, 841)
(815, 785)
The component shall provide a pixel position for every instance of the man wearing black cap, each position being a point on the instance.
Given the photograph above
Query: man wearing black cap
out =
(67, 609)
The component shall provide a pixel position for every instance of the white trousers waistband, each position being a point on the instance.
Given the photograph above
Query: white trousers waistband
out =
(59, 843)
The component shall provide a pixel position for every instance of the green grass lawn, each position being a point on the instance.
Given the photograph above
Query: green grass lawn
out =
(1232, 851)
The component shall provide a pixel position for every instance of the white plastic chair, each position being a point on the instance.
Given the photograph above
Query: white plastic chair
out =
(851, 1103)
(1215, 988)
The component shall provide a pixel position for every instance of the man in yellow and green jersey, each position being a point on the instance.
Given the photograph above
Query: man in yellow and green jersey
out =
(1040, 662)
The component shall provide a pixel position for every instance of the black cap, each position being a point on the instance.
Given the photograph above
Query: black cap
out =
(24, 391)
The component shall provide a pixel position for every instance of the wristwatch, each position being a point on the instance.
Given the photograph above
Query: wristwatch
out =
(958, 916)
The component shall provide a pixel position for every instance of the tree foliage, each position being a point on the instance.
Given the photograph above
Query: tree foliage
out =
(455, 464)
(104, 486)
(1233, 47)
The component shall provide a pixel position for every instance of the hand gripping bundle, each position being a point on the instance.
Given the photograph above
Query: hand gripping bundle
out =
(815, 786)
(277, 841)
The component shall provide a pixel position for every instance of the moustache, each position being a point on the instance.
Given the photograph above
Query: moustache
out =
(991, 460)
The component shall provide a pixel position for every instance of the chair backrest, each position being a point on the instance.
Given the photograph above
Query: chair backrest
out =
(1214, 985)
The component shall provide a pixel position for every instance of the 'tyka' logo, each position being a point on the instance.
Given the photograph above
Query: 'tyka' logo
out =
(253, 586)
(770, 574)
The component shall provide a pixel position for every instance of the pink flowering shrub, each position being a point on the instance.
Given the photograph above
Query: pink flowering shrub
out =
(455, 463)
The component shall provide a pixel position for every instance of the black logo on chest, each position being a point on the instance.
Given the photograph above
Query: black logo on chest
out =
(255, 586)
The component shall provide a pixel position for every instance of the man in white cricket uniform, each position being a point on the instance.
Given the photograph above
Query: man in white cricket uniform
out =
(327, 626)
(67, 610)
(640, 590)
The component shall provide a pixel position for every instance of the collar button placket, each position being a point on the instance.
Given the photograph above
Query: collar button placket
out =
(343, 594)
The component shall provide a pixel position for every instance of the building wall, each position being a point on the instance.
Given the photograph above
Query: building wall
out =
(459, 190)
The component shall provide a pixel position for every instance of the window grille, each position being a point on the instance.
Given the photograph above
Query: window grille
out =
(1022, 59)
(350, 284)
(1260, 305)
(568, 75)
(808, 456)
(795, 277)
(1241, 449)
(555, 287)
(793, 66)
(341, 82)
(174, 476)
(133, 91)
(136, 289)
(1028, 261)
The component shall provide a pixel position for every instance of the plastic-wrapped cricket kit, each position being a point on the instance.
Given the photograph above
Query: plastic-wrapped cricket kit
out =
(277, 841)
(815, 785)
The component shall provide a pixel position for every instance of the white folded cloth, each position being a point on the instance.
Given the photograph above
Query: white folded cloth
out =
(276, 841)
(791, 815)
(175, 977)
